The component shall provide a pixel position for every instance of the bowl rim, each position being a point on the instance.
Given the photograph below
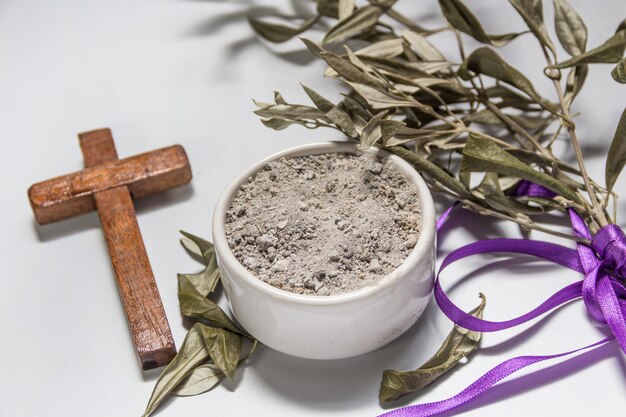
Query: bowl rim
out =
(423, 247)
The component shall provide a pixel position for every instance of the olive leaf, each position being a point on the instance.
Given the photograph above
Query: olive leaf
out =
(619, 72)
(340, 117)
(319, 101)
(349, 70)
(223, 346)
(570, 28)
(362, 20)
(461, 18)
(328, 8)
(190, 354)
(610, 52)
(486, 61)
(278, 33)
(532, 13)
(575, 80)
(616, 158)
(482, 155)
(345, 8)
(425, 166)
(206, 281)
(194, 304)
(459, 343)
(202, 379)
(387, 48)
(371, 132)
(422, 46)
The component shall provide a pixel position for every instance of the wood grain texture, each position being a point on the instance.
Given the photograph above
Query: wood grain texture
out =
(106, 185)
(149, 328)
(146, 318)
(70, 195)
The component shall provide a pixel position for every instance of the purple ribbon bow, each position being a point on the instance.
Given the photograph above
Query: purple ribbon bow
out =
(603, 264)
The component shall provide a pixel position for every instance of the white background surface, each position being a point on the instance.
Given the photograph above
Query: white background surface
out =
(182, 71)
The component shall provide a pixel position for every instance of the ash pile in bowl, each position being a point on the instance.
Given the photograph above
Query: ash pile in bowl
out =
(324, 224)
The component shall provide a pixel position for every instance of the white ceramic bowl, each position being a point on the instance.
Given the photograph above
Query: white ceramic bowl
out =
(336, 326)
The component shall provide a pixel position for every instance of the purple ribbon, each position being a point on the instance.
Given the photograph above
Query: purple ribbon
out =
(603, 264)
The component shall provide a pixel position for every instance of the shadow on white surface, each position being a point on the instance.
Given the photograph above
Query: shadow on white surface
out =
(89, 221)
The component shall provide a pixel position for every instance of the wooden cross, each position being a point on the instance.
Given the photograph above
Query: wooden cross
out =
(107, 184)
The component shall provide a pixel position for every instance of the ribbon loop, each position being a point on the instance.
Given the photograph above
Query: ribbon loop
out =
(610, 244)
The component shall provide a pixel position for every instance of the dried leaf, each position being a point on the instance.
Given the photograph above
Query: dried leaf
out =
(461, 18)
(206, 281)
(610, 52)
(389, 48)
(319, 101)
(328, 8)
(422, 46)
(193, 304)
(619, 72)
(371, 132)
(362, 20)
(202, 379)
(223, 346)
(532, 13)
(348, 70)
(190, 354)
(482, 155)
(290, 111)
(616, 158)
(486, 61)
(278, 33)
(345, 9)
(340, 117)
(575, 81)
(486, 116)
(570, 28)
(459, 343)
(379, 100)
(425, 166)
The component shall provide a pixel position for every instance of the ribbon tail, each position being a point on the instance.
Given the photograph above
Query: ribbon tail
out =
(482, 384)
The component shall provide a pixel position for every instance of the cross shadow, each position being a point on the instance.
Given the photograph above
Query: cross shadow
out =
(89, 221)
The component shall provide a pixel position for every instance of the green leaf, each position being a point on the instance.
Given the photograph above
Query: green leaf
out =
(482, 155)
(532, 13)
(570, 28)
(206, 281)
(202, 379)
(486, 61)
(459, 343)
(194, 304)
(461, 18)
(223, 346)
(362, 20)
(616, 157)
(610, 52)
(191, 353)
(619, 72)
(278, 33)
